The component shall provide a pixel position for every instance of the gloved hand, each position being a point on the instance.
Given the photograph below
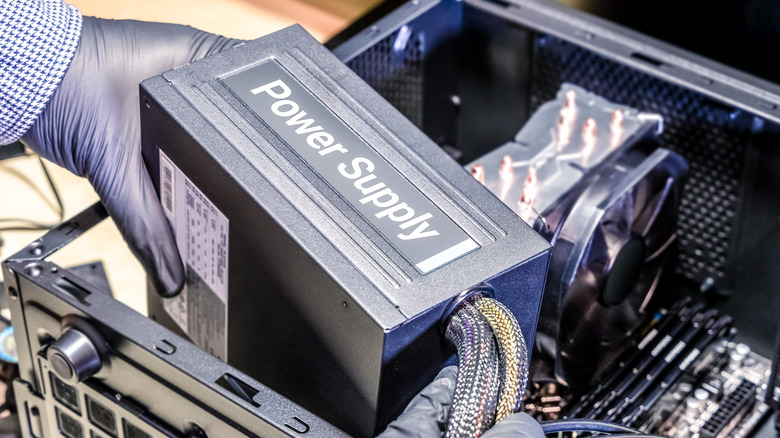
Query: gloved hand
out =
(426, 416)
(91, 127)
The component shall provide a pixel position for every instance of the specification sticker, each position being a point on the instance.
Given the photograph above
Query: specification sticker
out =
(201, 232)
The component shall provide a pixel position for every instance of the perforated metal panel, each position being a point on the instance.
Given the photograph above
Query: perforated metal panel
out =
(394, 68)
(711, 137)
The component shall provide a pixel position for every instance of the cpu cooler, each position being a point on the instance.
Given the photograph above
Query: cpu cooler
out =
(609, 255)
(583, 172)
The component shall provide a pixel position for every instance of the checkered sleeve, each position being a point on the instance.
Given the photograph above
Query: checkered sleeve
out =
(37, 41)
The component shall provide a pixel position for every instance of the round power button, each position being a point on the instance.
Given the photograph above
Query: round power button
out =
(74, 357)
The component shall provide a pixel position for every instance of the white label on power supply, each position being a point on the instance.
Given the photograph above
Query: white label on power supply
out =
(374, 187)
(201, 232)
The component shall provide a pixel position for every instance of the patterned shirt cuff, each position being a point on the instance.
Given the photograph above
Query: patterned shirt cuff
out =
(38, 39)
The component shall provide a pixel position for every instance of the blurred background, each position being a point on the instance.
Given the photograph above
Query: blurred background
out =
(247, 19)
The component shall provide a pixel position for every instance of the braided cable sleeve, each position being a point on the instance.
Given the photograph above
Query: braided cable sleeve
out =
(512, 354)
(476, 389)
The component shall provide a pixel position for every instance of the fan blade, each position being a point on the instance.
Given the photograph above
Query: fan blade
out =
(619, 323)
(647, 215)
(616, 225)
(596, 259)
(580, 331)
(583, 293)
(662, 249)
(623, 319)
(650, 295)
(619, 216)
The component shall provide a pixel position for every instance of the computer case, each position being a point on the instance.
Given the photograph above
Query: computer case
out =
(470, 73)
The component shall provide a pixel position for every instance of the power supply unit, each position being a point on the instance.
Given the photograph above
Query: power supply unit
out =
(323, 235)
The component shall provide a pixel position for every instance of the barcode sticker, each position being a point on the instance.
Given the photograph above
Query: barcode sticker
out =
(166, 185)
(201, 232)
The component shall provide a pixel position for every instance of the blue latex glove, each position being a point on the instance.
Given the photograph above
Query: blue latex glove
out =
(426, 416)
(91, 127)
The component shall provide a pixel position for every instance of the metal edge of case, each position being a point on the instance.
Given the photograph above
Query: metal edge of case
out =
(613, 41)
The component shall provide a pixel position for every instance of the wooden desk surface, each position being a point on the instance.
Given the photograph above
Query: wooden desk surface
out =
(24, 188)
(246, 19)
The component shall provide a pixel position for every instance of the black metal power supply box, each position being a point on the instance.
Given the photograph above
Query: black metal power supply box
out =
(323, 235)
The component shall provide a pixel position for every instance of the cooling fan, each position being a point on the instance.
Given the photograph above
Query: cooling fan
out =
(609, 256)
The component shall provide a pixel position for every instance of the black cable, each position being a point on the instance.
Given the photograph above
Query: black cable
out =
(635, 435)
(22, 224)
(577, 425)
